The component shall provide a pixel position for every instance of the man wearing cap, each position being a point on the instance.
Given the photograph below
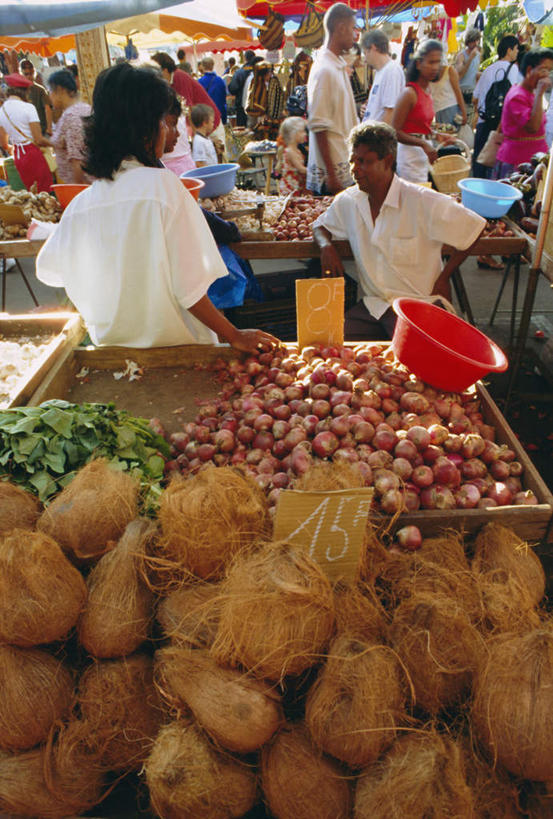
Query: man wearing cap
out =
(39, 97)
(20, 128)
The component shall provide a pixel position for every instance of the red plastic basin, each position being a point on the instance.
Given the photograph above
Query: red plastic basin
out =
(65, 193)
(192, 185)
(442, 349)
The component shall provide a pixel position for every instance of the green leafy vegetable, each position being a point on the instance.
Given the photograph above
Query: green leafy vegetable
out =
(42, 447)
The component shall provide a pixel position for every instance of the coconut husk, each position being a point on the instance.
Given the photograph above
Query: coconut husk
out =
(90, 515)
(447, 550)
(277, 613)
(512, 709)
(495, 795)
(325, 476)
(429, 578)
(189, 616)
(24, 790)
(119, 702)
(41, 593)
(374, 555)
(359, 612)
(119, 609)
(36, 689)
(439, 647)
(73, 770)
(18, 509)
(538, 802)
(188, 778)
(209, 518)
(421, 776)
(237, 711)
(497, 549)
(507, 605)
(358, 701)
(299, 783)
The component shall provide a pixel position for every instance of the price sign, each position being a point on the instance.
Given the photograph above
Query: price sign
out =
(320, 311)
(330, 525)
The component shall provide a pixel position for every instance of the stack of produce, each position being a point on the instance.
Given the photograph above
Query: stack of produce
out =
(529, 178)
(42, 206)
(16, 359)
(420, 448)
(224, 669)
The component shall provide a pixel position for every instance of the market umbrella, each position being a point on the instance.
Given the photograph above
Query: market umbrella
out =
(295, 9)
(43, 46)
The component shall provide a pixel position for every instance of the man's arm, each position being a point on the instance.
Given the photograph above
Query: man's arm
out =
(442, 286)
(331, 264)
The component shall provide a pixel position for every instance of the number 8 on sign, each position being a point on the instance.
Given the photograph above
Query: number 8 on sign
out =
(320, 311)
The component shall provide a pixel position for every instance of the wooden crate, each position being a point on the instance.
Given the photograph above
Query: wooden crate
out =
(530, 522)
(68, 330)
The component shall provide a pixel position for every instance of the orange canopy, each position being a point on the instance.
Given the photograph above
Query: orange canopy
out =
(43, 46)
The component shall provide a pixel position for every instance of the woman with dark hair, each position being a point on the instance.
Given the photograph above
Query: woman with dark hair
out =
(414, 113)
(133, 250)
(68, 136)
(20, 131)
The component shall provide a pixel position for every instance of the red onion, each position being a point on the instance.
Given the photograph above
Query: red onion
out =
(224, 440)
(432, 453)
(179, 440)
(380, 459)
(264, 440)
(420, 437)
(280, 480)
(446, 473)
(340, 397)
(238, 456)
(500, 470)
(245, 434)
(473, 468)
(403, 468)
(467, 496)
(319, 390)
(384, 480)
(371, 415)
(385, 439)
(325, 444)
(363, 432)
(409, 537)
(391, 501)
(206, 452)
(284, 380)
(230, 423)
(300, 460)
(339, 425)
(481, 484)
(411, 500)
(263, 422)
(506, 454)
(294, 437)
(203, 435)
(500, 493)
(280, 429)
(345, 456)
(513, 484)
(405, 449)
(310, 423)
(460, 425)
(414, 402)
(267, 465)
(438, 434)
(389, 406)
(305, 407)
(320, 408)
(340, 409)
(453, 443)
(296, 421)
(282, 412)
(486, 503)
(254, 456)
(437, 497)
(274, 393)
(455, 458)
(525, 498)
(422, 476)
(294, 392)
(280, 450)
(364, 450)
(250, 416)
(366, 472)
(344, 381)
(443, 406)
(490, 453)
(515, 469)
(473, 446)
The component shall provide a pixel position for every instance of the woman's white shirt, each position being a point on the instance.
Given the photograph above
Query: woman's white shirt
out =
(16, 112)
(133, 255)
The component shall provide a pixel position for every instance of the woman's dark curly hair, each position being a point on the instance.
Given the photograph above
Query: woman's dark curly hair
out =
(128, 105)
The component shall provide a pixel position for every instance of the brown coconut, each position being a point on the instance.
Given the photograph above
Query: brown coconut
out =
(187, 777)
(421, 777)
(277, 612)
(208, 518)
(496, 796)
(190, 615)
(326, 476)
(119, 609)
(23, 786)
(374, 555)
(237, 711)
(18, 509)
(359, 612)
(91, 514)
(298, 782)
(507, 605)
(41, 593)
(119, 702)
(357, 704)
(36, 689)
(439, 647)
(499, 549)
(512, 710)
(447, 550)
(73, 770)
(430, 578)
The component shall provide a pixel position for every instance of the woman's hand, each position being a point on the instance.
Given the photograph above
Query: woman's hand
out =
(253, 341)
(430, 152)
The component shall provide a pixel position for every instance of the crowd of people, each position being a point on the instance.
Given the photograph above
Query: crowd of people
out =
(148, 125)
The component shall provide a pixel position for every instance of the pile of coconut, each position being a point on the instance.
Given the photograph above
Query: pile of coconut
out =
(224, 675)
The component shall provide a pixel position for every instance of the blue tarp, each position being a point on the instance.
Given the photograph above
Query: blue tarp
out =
(43, 18)
(539, 11)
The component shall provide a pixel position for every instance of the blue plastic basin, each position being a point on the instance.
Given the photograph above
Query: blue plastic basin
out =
(488, 198)
(218, 179)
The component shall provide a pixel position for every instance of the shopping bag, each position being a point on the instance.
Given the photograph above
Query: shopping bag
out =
(467, 135)
(488, 153)
(240, 283)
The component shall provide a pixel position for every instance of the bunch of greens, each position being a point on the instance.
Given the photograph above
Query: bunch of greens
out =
(41, 448)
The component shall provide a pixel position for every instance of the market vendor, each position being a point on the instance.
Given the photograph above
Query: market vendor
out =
(133, 250)
(396, 230)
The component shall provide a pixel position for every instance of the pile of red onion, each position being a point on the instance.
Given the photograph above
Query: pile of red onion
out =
(419, 448)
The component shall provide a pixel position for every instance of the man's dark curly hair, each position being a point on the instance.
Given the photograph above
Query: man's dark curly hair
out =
(127, 107)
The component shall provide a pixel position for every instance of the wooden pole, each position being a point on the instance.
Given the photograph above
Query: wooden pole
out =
(92, 57)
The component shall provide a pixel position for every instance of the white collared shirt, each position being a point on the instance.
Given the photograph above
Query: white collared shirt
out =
(400, 254)
(330, 108)
(133, 255)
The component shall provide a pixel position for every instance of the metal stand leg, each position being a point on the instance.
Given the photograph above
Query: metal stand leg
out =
(461, 293)
(516, 280)
(26, 282)
(501, 289)
(4, 275)
(531, 287)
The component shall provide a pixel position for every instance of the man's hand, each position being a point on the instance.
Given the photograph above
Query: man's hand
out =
(253, 341)
(331, 264)
(333, 184)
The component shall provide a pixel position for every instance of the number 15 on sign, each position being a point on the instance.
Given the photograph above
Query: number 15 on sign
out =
(329, 525)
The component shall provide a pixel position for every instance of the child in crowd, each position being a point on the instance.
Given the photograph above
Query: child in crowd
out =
(290, 162)
(203, 149)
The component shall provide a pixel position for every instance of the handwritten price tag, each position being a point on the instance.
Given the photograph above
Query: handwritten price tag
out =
(320, 311)
(330, 525)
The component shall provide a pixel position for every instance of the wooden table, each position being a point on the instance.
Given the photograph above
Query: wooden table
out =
(17, 249)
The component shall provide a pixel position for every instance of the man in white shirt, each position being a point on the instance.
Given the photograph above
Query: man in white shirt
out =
(331, 107)
(389, 79)
(504, 66)
(396, 230)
